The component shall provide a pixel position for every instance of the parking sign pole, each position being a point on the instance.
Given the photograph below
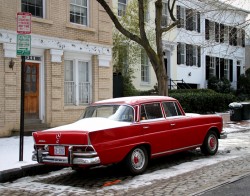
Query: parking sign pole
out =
(23, 49)
(22, 108)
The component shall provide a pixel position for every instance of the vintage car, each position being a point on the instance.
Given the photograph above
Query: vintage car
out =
(131, 130)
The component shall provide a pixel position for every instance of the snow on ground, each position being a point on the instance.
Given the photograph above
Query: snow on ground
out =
(237, 144)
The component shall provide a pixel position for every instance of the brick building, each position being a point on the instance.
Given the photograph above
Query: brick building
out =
(69, 66)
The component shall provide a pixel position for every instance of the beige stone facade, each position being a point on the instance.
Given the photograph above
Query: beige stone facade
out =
(54, 40)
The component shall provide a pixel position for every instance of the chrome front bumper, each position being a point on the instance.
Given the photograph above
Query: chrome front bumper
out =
(73, 158)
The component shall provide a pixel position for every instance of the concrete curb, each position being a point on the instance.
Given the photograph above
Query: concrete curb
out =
(28, 170)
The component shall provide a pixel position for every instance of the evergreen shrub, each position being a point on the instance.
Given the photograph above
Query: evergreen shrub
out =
(202, 100)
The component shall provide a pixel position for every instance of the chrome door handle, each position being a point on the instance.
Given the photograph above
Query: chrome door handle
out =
(145, 127)
(172, 124)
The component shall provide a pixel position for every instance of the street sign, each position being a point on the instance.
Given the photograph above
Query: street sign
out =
(23, 45)
(23, 23)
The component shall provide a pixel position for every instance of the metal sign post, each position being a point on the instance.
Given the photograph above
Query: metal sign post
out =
(23, 49)
(22, 108)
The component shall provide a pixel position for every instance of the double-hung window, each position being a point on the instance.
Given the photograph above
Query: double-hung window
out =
(122, 4)
(188, 54)
(189, 19)
(181, 53)
(144, 67)
(77, 85)
(35, 7)
(79, 12)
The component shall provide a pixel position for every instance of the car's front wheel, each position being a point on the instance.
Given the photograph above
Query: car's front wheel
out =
(210, 144)
(137, 160)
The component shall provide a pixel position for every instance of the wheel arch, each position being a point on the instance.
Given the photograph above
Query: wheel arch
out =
(216, 130)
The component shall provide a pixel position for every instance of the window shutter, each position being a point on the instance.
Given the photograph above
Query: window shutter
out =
(199, 22)
(231, 70)
(188, 56)
(221, 64)
(217, 32)
(199, 56)
(179, 16)
(230, 36)
(217, 67)
(178, 54)
(243, 37)
(207, 66)
(207, 29)
(222, 33)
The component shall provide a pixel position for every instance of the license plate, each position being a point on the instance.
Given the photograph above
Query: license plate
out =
(59, 150)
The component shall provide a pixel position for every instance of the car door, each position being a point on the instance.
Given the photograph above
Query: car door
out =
(154, 128)
(184, 133)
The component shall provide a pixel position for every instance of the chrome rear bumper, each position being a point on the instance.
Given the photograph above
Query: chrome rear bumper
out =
(86, 158)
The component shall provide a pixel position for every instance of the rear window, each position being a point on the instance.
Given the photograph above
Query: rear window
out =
(171, 109)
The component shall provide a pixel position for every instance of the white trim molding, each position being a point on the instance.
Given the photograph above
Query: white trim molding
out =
(56, 55)
(104, 60)
(9, 50)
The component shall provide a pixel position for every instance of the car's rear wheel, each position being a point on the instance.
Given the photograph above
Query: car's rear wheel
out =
(210, 144)
(137, 160)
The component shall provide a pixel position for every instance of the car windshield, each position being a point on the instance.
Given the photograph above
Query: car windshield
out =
(114, 112)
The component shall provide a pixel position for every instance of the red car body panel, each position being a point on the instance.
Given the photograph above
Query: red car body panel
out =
(98, 146)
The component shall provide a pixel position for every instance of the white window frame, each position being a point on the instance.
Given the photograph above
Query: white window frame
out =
(212, 67)
(145, 72)
(183, 17)
(195, 56)
(226, 34)
(239, 37)
(226, 68)
(183, 53)
(212, 30)
(80, 6)
(44, 10)
(76, 100)
(122, 12)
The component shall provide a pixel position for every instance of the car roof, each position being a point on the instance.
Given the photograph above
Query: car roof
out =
(134, 100)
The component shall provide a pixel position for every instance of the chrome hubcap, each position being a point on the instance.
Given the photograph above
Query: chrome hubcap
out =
(138, 159)
(212, 142)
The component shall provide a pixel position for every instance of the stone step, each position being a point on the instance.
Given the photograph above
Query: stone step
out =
(30, 126)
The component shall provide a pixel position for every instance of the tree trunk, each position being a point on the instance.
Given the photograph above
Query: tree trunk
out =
(162, 79)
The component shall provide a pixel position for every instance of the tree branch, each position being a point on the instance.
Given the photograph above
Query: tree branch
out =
(171, 10)
(118, 24)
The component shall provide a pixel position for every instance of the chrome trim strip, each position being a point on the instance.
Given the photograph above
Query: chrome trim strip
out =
(169, 151)
(53, 159)
(90, 154)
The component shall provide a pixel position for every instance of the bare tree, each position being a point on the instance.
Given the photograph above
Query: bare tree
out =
(155, 55)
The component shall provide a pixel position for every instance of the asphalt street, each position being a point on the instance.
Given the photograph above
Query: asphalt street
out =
(239, 187)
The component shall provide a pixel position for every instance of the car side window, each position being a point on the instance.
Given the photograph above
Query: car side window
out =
(151, 111)
(171, 109)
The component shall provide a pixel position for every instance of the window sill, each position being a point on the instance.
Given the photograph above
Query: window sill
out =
(80, 27)
(74, 107)
(145, 84)
(42, 20)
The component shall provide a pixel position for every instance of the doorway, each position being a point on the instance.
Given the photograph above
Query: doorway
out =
(31, 99)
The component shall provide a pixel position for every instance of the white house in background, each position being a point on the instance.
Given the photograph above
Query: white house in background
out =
(209, 41)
